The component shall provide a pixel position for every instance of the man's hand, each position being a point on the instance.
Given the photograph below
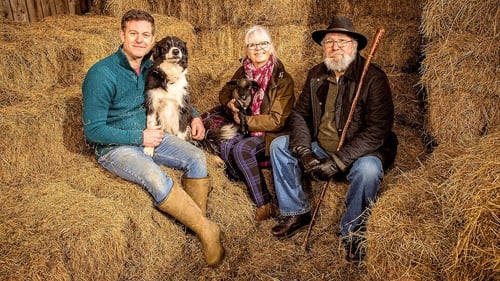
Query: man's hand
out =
(197, 129)
(324, 171)
(307, 159)
(152, 137)
(314, 168)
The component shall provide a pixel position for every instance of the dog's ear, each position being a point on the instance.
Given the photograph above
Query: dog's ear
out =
(233, 82)
(255, 84)
(184, 47)
(157, 51)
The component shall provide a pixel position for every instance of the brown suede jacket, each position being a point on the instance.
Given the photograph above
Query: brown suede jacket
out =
(276, 105)
(370, 132)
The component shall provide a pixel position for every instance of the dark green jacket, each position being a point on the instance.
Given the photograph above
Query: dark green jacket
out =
(370, 132)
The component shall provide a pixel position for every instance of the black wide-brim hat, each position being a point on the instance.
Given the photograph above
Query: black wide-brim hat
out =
(340, 24)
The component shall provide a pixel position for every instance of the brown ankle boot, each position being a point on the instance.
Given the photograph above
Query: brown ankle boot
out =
(265, 212)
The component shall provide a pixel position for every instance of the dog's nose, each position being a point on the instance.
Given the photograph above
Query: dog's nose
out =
(176, 52)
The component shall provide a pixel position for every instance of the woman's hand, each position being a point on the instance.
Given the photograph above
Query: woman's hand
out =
(235, 110)
(232, 106)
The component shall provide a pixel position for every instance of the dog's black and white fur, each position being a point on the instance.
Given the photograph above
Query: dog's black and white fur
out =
(167, 98)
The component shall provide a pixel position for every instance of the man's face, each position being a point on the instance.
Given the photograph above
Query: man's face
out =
(137, 39)
(340, 50)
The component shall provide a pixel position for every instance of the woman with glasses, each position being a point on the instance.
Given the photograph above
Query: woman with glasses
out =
(271, 104)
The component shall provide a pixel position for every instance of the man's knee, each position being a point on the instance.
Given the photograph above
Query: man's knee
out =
(370, 167)
(279, 143)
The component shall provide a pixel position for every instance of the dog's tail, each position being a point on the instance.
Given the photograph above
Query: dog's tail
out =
(227, 132)
(215, 136)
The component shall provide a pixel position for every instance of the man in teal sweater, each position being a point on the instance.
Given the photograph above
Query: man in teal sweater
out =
(114, 124)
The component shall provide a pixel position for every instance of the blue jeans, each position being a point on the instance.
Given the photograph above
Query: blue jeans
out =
(130, 163)
(364, 176)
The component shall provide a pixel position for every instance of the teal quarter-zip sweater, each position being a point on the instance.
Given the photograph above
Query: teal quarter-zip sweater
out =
(113, 103)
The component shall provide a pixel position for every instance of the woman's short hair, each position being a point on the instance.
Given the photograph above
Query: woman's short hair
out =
(259, 33)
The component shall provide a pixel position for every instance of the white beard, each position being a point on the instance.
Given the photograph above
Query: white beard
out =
(339, 66)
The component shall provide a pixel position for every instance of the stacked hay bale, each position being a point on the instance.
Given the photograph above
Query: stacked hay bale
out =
(461, 69)
(440, 222)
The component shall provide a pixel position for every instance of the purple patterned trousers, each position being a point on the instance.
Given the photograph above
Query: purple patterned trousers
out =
(242, 156)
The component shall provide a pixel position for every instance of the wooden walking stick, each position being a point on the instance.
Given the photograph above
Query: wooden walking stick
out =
(376, 42)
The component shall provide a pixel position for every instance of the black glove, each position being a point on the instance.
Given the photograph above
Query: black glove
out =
(324, 171)
(312, 166)
(307, 159)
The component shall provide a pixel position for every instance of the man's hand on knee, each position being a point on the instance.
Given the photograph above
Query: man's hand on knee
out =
(312, 166)
(324, 171)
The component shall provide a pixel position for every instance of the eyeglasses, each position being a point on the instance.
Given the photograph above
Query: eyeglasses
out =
(262, 45)
(341, 43)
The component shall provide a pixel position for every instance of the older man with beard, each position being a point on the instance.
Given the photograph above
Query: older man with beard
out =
(316, 124)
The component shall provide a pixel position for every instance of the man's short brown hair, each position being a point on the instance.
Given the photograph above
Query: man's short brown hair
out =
(137, 15)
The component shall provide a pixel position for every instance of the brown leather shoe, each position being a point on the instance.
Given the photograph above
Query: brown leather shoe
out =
(290, 225)
(265, 212)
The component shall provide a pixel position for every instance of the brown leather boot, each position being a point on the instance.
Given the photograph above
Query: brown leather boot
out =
(265, 212)
(181, 206)
(290, 225)
(198, 189)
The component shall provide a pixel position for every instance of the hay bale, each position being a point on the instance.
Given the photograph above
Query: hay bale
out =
(462, 87)
(207, 14)
(392, 9)
(51, 230)
(444, 17)
(39, 133)
(418, 229)
(206, 82)
(472, 203)
(412, 151)
(409, 103)
(399, 50)
(87, 225)
(31, 60)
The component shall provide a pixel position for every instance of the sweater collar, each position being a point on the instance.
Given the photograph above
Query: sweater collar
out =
(145, 63)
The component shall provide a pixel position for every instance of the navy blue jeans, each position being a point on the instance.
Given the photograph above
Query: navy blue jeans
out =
(364, 176)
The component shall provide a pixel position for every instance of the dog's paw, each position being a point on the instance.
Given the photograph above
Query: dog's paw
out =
(149, 150)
